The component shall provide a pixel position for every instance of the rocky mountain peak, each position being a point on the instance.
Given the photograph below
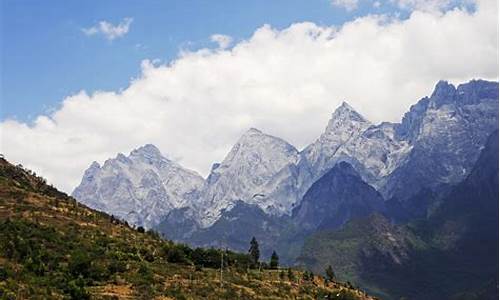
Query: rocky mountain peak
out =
(147, 151)
(346, 112)
(443, 89)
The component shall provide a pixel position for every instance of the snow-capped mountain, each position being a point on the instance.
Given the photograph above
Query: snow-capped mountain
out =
(254, 169)
(140, 188)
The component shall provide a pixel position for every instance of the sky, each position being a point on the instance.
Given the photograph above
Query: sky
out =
(84, 80)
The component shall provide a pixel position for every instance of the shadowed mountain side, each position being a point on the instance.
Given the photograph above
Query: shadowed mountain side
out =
(453, 254)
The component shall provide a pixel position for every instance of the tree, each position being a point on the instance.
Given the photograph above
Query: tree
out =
(274, 262)
(254, 251)
(330, 275)
(291, 276)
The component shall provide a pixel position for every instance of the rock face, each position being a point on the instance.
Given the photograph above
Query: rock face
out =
(446, 132)
(252, 172)
(337, 197)
(411, 164)
(453, 254)
(140, 188)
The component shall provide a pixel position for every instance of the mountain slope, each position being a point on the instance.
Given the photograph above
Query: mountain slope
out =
(447, 131)
(337, 197)
(250, 172)
(452, 254)
(52, 247)
(140, 188)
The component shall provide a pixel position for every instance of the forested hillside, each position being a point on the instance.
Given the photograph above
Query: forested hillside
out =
(52, 247)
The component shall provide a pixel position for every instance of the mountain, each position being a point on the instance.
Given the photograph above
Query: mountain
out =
(446, 131)
(140, 188)
(337, 197)
(52, 247)
(451, 255)
(251, 172)
(364, 247)
(373, 150)
(413, 165)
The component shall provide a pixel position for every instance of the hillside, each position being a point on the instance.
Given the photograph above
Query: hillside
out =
(453, 254)
(52, 247)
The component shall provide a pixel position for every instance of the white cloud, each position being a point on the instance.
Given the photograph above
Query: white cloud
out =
(285, 82)
(222, 40)
(108, 30)
(348, 5)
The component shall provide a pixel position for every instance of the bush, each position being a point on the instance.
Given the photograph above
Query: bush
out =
(79, 264)
(176, 255)
(76, 289)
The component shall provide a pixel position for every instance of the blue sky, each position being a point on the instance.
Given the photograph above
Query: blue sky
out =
(46, 57)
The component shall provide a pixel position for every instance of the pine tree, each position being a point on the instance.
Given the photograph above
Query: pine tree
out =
(274, 262)
(330, 276)
(254, 251)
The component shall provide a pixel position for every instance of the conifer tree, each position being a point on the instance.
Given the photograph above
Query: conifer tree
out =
(254, 251)
(274, 262)
(330, 276)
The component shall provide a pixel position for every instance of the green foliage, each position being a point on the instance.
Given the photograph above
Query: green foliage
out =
(275, 261)
(53, 248)
(76, 289)
(330, 275)
(79, 263)
(254, 251)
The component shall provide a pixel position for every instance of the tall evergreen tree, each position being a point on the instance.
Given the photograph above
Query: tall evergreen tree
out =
(254, 251)
(275, 261)
(330, 276)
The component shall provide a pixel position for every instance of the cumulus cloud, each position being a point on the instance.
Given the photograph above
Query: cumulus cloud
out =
(222, 40)
(348, 5)
(108, 30)
(284, 82)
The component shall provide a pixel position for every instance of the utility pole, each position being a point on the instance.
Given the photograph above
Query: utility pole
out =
(221, 264)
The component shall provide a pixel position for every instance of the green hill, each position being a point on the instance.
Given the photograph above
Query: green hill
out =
(52, 247)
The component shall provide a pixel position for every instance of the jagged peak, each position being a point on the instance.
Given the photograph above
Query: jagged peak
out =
(254, 134)
(94, 168)
(148, 150)
(443, 88)
(95, 165)
(346, 111)
(253, 131)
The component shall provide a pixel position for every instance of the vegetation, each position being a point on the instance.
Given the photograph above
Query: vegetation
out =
(330, 275)
(254, 251)
(275, 261)
(52, 247)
